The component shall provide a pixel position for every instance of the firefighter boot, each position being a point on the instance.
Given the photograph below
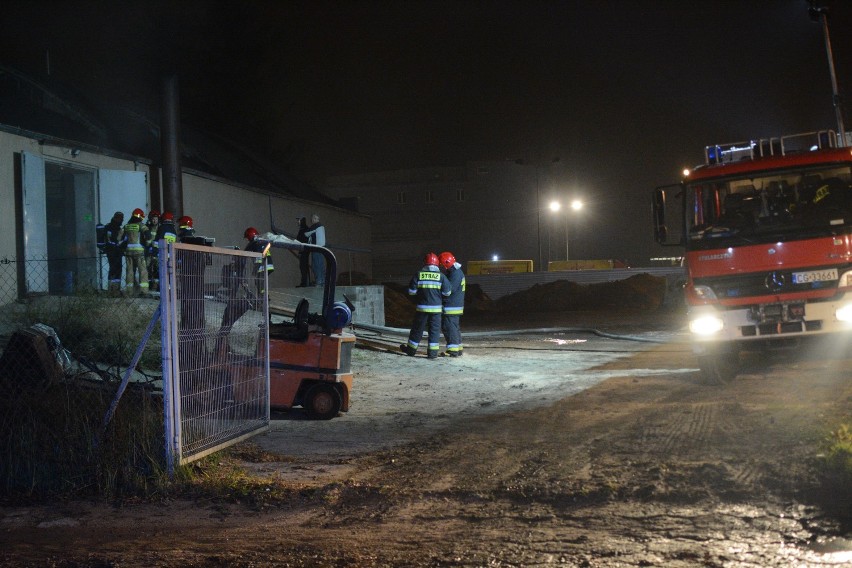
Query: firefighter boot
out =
(407, 349)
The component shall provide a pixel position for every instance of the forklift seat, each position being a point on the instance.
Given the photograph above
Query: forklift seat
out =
(296, 331)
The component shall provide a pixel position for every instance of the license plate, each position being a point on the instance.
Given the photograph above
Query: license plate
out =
(814, 276)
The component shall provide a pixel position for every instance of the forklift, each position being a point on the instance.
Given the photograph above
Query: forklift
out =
(310, 357)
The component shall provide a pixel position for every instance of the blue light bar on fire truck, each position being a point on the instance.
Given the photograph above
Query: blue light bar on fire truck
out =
(765, 147)
(734, 152)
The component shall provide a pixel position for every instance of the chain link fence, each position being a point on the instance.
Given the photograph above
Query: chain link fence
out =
(64, 353)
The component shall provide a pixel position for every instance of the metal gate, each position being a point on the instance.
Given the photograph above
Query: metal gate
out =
(215, 324)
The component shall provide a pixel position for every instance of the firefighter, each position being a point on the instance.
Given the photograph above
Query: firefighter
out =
(185, 229)
(114, 252)
(429, 286)
(264, 263)
(453, 304)
(151, 257)
(165, 231)
(136, 236)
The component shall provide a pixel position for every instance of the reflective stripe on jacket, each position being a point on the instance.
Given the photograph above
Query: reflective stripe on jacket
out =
(430, 286)
(136, 234)
(454, 303)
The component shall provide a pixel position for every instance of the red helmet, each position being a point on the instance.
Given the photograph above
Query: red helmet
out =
(185, 222)
(153, 213)
(167, 216)
(447, 259)
(431, 258)
(250, 233)
(138, 213)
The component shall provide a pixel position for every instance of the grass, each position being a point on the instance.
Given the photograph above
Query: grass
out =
(53, 444)
(104, 330)
(836, 470)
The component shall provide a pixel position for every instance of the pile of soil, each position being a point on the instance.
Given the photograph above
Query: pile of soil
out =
(642, 292)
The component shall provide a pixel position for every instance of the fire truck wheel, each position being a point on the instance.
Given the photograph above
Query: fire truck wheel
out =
(323, 402)
(719, 366)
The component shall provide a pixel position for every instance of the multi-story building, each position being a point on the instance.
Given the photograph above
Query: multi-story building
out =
(478, 211)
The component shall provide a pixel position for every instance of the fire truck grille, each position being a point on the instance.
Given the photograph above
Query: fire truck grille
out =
(763, 283)
(780, 328)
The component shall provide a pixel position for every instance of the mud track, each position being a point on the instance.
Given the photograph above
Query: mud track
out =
(646, 468)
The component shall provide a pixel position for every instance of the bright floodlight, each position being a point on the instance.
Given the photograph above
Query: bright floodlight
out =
(495, 258)
(576, 205)
(555, 206)
(706, 324)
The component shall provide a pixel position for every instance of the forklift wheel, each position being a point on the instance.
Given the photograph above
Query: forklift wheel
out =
(323, 402)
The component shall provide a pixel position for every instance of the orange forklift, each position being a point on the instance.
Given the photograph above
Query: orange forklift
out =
(310, 357)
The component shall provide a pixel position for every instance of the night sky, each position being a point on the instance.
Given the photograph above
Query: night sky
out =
(625, 93)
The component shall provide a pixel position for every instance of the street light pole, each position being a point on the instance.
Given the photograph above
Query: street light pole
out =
(538, 213)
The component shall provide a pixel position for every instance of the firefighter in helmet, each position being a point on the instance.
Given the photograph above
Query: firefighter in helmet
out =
(136, 235)
(262, 264)
(166, 230)
(185, 228)
(430, 286)
(453, 304)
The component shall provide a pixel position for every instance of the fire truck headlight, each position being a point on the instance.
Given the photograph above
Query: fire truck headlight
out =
(704, 293)
(844, 313)
(845, 279)
(705, 324)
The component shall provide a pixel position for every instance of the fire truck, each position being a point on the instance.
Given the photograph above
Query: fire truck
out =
(767, 229)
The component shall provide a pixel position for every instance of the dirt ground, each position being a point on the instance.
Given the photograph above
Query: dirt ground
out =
(553, 448)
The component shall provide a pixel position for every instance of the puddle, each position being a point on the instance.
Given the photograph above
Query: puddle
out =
(833, 550)
(565, 341)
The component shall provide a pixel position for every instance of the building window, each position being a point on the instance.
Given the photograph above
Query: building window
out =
(430, 196)
(400, 197)
(459, 195)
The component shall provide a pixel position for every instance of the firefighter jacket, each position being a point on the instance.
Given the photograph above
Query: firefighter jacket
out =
(165, 232)
(136, 235)
(257, 245)
(454, 303)
(112, 246)
(152, 247)
(430, 286)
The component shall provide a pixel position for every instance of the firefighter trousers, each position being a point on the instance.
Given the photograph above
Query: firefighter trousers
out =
(451, 325)
(430, 322)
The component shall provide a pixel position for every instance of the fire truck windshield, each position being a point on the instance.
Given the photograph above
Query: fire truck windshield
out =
(792, 204)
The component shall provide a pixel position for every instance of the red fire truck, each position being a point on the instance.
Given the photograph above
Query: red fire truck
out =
(767, 228)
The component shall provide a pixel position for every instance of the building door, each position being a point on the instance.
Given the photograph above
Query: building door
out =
(62, 204)
(71, 238)
(120, 190)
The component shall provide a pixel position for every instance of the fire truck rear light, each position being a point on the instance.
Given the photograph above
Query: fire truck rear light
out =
(844, 313)
(706, 324)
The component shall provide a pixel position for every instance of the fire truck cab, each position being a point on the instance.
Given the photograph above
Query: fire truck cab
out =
(767, 230)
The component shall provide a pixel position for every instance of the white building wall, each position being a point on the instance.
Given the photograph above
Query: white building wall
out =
(220, 209)
(223, 210)
(11, 146)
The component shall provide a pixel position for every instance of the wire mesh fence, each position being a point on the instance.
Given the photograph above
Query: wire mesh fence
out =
(82, 401)
(216, 325)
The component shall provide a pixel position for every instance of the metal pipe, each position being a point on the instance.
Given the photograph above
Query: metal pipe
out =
(170, 146)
